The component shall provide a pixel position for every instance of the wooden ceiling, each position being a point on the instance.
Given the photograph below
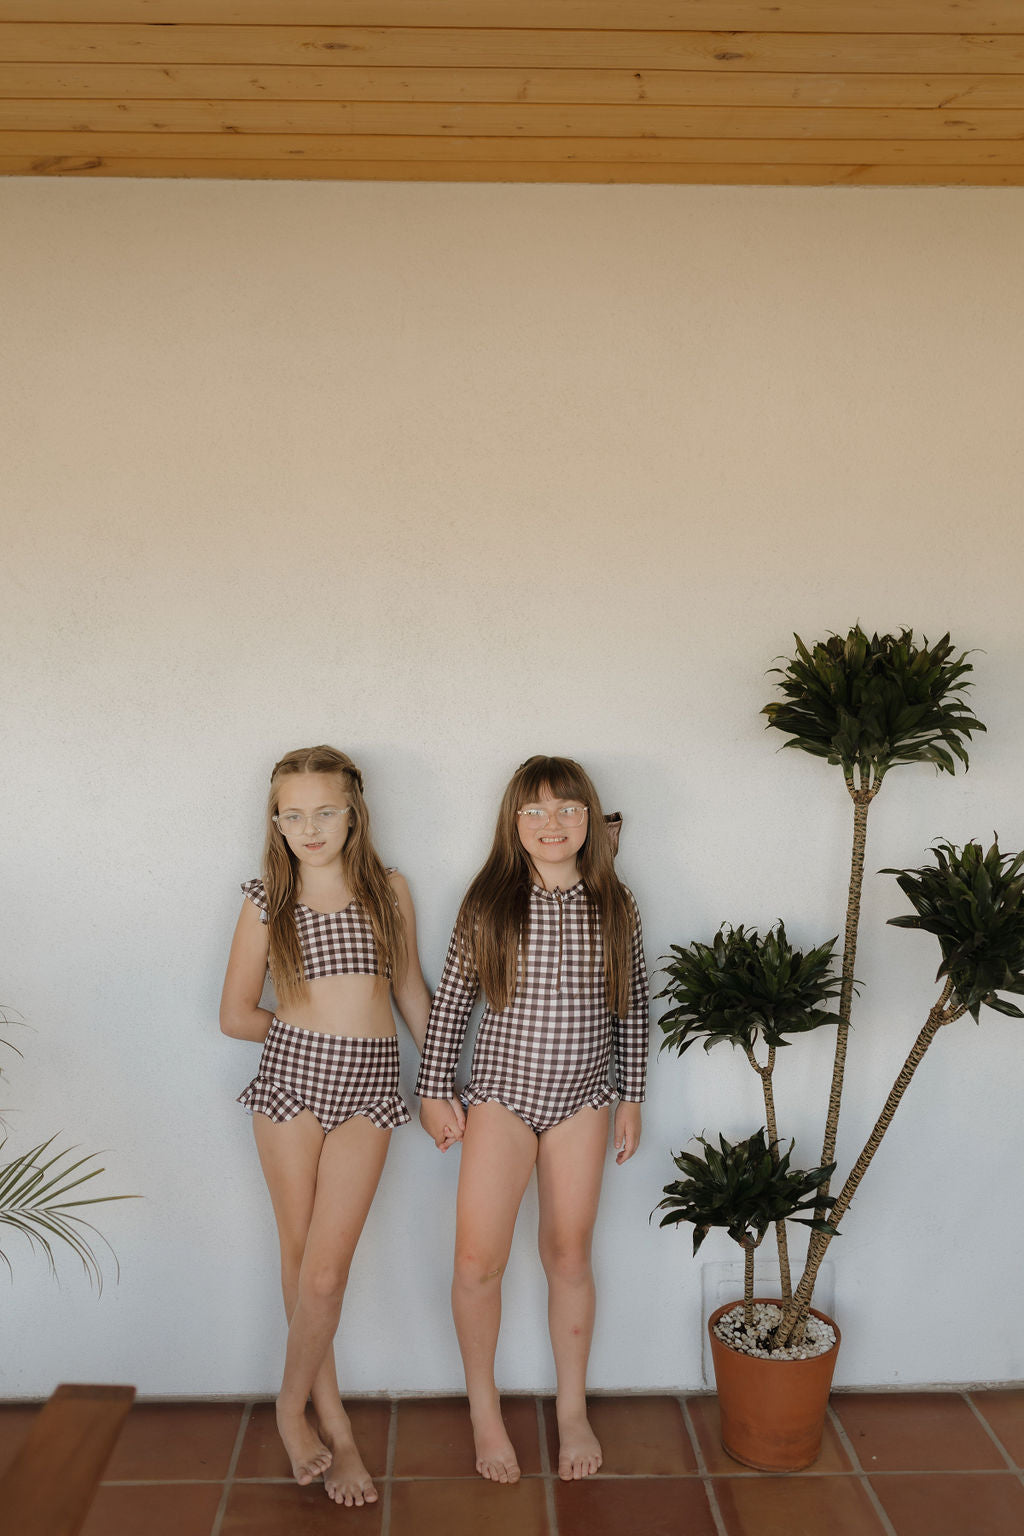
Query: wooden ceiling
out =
(807, 92)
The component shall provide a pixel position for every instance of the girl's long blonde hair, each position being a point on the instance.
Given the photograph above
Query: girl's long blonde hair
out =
(493, 921)
(364, 872)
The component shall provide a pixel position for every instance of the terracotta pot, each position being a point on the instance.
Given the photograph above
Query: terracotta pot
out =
(773, 1411)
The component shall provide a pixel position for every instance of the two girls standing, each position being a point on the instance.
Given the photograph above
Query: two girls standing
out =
(553, 939)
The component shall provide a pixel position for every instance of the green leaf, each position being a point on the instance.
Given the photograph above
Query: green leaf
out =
(970, 900)
(744, 1187)
(877, 703)
(746, 986)
(33, 1202)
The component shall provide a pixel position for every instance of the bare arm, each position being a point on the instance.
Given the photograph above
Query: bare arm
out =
(241, 1016)
(409, 989)
(413, 1002)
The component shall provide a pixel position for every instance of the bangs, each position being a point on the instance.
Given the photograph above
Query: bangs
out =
(564, 779)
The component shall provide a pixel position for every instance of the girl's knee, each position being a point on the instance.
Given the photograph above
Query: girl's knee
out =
(567, 1262)
(474, 1270)
(323, 1281)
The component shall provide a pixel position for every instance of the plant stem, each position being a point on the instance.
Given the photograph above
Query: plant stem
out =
(862, 799)
(781, 1238)
(748, 1284)
(795, 1317)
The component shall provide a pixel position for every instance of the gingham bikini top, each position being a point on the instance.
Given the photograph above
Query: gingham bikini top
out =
(332, 943)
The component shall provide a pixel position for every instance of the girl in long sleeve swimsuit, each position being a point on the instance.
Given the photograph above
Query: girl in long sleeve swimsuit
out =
(339, 933)
(553, 939)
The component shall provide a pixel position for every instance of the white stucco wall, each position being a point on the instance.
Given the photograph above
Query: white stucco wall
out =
(447, 475)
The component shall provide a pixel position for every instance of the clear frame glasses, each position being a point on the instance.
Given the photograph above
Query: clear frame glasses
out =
(565, 816)
(328, 819)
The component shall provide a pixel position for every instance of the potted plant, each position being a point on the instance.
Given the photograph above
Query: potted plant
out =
(753, 991)
(867, 705)
(772, 1407)
(973, 901)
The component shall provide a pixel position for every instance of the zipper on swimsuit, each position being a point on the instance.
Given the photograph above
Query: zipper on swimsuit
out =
(558, 971)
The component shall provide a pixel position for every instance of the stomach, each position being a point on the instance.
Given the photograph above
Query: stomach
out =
(359, 1006)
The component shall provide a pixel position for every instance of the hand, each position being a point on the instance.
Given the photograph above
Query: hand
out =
(627, 1130)
(458, 1116)
(455, 1127)
(439, 1119)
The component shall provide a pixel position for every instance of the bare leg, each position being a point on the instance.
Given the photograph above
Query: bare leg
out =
(570, 1162)
(321, 1188)
(290, 1155)
(498, 1154)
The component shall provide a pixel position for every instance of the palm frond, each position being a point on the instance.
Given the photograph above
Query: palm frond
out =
(33, 1202)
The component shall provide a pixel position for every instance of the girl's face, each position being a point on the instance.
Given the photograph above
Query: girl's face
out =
(552, 832)
(314, 816)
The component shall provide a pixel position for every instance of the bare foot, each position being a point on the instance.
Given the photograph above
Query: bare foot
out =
(346, 1479)
(495, 1456)
(306, 1451)
(579, 1452)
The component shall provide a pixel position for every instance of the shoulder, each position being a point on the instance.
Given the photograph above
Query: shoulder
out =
(400, 887)
(630, 903)
(253, 891)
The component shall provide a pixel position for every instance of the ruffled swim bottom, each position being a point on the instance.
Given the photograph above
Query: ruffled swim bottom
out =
(335, 1076)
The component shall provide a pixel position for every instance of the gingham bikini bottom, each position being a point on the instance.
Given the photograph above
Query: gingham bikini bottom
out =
(335, 1076)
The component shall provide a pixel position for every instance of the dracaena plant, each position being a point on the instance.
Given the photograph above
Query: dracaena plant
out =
(868, 705)
(746, 1187)
(42, 1196)
(972, 900)
(751, 991)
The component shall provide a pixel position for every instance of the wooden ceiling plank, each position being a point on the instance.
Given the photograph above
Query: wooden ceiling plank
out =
(767, 174)
(281, 82)
(200, 146)
(454, 48)
(642, 123)
(938, 16)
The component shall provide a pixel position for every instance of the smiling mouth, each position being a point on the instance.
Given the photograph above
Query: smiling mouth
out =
(312, 847)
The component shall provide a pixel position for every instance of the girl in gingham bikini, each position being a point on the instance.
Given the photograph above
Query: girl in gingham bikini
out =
(553, 939)
(339, 934)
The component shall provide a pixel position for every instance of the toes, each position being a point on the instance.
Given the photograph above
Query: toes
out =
(352, 1494)
(498, 1472)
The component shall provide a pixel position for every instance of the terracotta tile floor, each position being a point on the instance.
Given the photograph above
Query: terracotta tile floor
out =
(892, 1464)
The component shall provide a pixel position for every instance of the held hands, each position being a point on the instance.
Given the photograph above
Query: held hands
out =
(627, 1130)
(444, 1120)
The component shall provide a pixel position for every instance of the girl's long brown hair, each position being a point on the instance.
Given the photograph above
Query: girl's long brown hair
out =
(493, 921)
(364, 872)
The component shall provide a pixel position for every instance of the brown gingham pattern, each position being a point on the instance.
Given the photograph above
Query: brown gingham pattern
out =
(336, 1076)
(549, 1053)
(333, 943)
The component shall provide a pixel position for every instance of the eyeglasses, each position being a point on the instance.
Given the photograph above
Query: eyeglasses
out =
(329, 819)
(566, 816)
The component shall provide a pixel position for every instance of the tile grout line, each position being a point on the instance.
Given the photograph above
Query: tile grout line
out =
(862, 1476)
(389, 1470)
(807, 1475)
(232, 1464)
(705, 1476)
(545, 1466)
(986, 1426)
